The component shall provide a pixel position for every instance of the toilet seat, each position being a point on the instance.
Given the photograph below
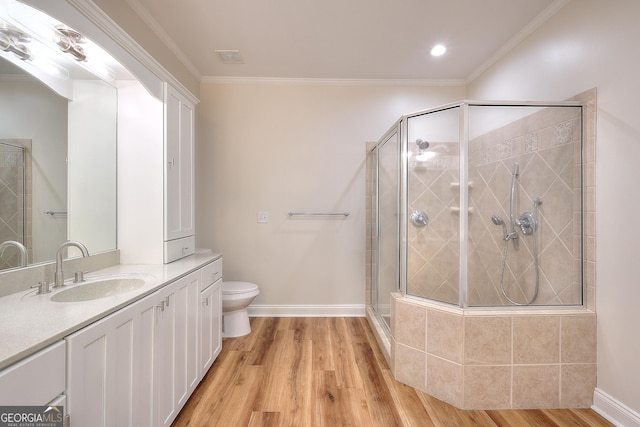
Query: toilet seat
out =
(235, 288)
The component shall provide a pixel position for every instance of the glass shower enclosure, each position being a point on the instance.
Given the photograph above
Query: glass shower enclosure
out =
(479, 205)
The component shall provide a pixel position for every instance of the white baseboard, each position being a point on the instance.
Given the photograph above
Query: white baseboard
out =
(614, 411)
(338, 310)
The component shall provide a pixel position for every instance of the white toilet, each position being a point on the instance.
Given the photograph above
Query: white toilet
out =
(236, 296)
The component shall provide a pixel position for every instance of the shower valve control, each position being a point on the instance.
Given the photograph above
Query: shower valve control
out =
(419, 219)
(527, 223)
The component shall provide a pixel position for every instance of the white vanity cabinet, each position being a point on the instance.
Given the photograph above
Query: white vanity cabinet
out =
(37, 380)
(109, 380)
(139, 366)
(210, 315)
(178, 177)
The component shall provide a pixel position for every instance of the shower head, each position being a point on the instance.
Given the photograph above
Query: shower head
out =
(498, 221)
(422, 144)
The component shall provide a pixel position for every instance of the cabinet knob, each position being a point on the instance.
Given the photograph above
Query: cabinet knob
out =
(206, 302)
(162, 305)
(171, 162)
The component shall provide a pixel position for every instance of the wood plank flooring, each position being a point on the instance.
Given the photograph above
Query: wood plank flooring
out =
(330, 372)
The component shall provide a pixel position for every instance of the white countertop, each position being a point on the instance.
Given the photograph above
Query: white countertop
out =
(30, 322)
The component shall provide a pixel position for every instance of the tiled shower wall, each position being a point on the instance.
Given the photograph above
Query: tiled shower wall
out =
(545, 147)
(433, 251)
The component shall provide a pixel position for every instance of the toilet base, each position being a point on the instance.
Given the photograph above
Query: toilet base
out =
(235, 323)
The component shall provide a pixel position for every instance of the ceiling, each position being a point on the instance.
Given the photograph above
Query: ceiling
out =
(343, 39)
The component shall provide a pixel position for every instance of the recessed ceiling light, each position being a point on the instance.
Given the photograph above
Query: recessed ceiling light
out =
(438, 50)
(230, 56)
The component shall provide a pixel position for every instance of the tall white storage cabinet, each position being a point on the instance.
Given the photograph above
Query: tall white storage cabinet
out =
(155, 175)
(178, 176)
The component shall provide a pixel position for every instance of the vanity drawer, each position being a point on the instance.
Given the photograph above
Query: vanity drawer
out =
(179, 248)
(210, 273)
(36, 380)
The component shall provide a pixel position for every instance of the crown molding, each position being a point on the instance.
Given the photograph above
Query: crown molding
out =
(146, 17)
(99, 18)
(285, 81)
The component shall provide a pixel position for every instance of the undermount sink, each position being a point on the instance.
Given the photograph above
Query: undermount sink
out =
(99, 288)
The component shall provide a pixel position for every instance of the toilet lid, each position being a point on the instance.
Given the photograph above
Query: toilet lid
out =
(238, 287)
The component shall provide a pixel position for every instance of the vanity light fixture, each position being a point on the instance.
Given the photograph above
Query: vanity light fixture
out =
(69, 40)
(12, 40)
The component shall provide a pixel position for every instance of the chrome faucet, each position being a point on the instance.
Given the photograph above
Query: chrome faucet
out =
(21, 248)
(59, 276)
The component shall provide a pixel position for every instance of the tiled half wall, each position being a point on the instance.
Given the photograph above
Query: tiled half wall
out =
(510, 359)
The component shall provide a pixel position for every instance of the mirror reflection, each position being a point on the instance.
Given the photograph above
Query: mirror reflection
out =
(57, 157)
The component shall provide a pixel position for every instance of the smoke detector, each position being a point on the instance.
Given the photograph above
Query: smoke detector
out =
(230, 56)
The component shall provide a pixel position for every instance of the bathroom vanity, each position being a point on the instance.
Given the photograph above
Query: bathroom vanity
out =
(131, 359)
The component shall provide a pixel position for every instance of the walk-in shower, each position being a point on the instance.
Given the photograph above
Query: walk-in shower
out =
(476, 216)
(511, 236)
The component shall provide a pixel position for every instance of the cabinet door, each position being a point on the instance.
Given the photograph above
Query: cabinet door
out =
(186, 345)
(210, 326)
(176, 347)
(179, 136)
(101, 374)
(164, 359)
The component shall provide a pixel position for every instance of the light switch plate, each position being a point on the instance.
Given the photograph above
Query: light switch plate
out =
(263, 217)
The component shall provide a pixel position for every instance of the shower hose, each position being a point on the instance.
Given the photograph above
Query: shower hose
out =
(535, 262)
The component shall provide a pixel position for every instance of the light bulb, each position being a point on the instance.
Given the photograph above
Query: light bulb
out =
(438, 50)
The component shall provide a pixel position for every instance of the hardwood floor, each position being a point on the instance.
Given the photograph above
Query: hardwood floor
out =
(330, 372)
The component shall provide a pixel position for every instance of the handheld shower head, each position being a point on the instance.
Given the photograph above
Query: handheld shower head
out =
(498, 221)
(516, 169)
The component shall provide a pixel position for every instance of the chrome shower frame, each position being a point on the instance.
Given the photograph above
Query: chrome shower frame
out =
(404, 216)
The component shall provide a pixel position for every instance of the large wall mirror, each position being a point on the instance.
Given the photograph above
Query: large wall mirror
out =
(57, 148)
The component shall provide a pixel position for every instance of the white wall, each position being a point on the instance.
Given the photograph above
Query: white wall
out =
(592, 43)
(283, 147)
(140, 175)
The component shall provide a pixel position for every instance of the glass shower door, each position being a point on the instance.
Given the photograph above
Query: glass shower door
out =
(433, 217)
(387, 224)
